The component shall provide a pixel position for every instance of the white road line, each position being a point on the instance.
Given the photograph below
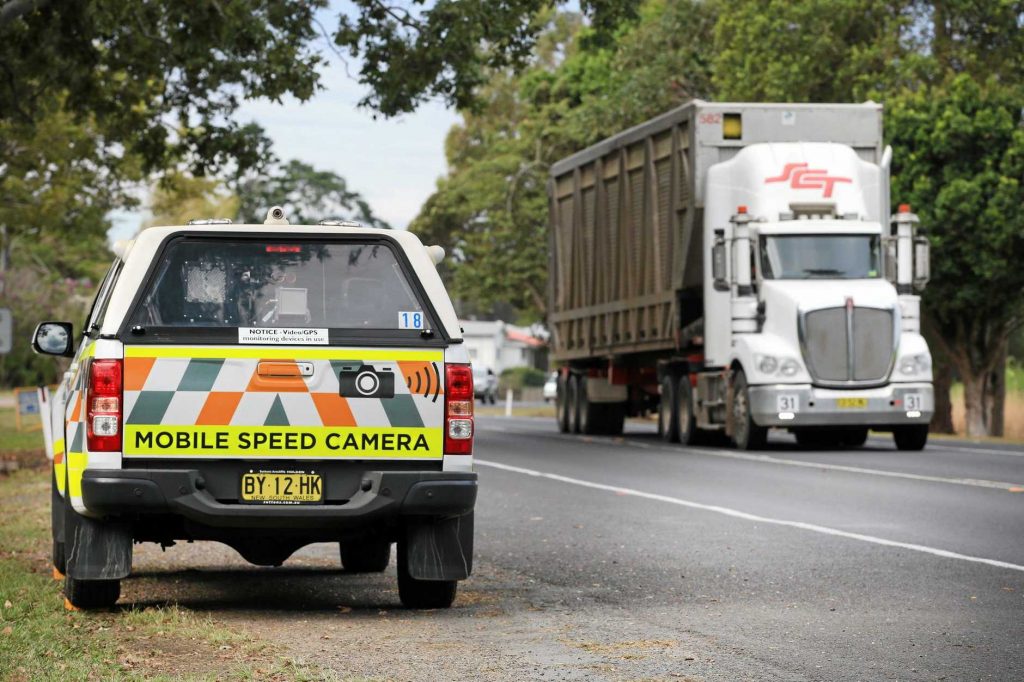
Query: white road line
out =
(938, 445)
(807, 464)
(976, 482)
(735, 513)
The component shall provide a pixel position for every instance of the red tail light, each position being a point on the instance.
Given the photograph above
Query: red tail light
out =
(458, 410)
(103, 406)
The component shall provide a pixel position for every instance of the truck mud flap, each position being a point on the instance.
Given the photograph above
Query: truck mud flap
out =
(97, 550)
(440, 549)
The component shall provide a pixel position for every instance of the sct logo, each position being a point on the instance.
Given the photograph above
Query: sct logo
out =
(800, 176)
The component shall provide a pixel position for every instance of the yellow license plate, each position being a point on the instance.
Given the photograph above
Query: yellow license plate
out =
(852, 403)
(282, 488)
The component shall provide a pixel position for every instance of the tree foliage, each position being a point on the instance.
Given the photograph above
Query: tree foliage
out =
(306, 194)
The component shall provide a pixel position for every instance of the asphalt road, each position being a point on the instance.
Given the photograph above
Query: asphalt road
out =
(626, 559)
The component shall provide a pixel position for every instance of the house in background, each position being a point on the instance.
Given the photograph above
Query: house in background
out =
(498, 346)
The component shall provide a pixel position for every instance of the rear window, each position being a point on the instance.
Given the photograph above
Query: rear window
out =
(224, 284)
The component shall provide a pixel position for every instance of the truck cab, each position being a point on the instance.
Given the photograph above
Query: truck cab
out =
(265, 386)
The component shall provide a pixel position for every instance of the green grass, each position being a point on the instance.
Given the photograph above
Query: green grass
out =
(40, 640)
(12, 440)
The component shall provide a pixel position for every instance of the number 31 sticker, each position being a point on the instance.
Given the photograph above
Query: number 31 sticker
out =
(410, 320)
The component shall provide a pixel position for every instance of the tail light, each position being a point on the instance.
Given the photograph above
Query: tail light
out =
(103, 406)
(458, 410)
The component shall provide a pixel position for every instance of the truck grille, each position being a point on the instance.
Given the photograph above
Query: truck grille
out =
(848, 346)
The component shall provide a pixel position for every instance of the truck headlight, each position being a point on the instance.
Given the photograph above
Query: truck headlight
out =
(767, 364)
(916, 364)
(789, 368)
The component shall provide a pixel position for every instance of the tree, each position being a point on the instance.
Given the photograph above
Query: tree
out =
(963, 171)
(306, 194)
(180, 197)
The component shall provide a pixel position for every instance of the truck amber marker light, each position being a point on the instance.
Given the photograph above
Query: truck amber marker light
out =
(103, 412)
(458, 410)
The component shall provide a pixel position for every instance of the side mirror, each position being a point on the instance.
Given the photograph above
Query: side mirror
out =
(54, 338)
(889, 259)
(922, 262)
(719, 270)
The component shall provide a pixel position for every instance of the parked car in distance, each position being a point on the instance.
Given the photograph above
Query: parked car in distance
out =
(485, 385)
(551, 387)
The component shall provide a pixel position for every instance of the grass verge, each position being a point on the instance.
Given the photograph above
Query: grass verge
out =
(40, 640)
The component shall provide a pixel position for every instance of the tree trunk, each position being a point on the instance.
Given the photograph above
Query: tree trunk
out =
(942, 372)
(995, 395)
(974, 403)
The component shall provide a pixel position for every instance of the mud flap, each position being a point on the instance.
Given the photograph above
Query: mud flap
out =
(440, 549)
(97, 550)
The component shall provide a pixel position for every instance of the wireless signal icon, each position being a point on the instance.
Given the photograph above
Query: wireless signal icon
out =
(424, 381)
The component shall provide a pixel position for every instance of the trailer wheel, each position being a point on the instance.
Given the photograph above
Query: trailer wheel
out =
(745, 433)
(686, 419)
(562, 404)
(910, 437)
(668, 412)
(573, 400)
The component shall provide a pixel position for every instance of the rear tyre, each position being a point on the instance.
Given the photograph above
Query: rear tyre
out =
(422, 594)
(854, 437)
(614, 418)
(365, 557)
(92, 594)
(686, 416)
(911, 437)
(668, 412)
(746, 434)
(593, 416)
(573, 398)
(562, 404)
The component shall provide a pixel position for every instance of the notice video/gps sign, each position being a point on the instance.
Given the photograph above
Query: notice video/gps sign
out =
(6, 331)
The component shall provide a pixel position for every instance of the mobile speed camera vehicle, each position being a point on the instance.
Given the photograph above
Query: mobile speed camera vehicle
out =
(265, 386)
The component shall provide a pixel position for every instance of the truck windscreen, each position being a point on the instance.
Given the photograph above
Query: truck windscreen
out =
(820, 256)
(247, 283)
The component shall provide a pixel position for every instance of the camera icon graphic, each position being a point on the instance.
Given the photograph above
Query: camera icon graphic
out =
(364, 381)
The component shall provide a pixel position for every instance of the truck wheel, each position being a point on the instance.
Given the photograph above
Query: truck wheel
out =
(422, 594)
(614, 418)
(592, 416)
(854, 437)
(92, 594)
(911, 437)
(745, 433)
(57, 527)
(562, 404)
(668, 412)
(573, 400)
(365, 557)
(686, 416)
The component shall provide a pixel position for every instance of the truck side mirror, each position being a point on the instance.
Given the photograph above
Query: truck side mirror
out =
(54, 338)
(719, 271)
(922, 262)
(889, 259)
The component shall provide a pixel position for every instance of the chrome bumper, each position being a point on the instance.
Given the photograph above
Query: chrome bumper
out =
(882, 406)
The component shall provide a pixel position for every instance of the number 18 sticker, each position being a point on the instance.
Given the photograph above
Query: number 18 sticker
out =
(410, 320)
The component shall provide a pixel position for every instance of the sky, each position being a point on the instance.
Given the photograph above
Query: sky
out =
(394, 163)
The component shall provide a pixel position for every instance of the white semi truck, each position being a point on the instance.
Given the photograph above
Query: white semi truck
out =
(737, 267)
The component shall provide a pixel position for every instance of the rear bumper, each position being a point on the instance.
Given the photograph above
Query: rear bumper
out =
(883, 406)
(182, 492)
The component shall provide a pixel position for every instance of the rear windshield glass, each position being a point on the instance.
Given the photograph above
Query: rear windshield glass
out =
(203, 283)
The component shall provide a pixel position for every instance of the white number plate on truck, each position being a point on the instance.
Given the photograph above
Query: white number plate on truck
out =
(913, 401)
(788, 403)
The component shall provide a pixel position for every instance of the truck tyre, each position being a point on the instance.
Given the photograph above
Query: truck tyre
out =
(686, 419)
(592, 416)
(57, 527)
(91, 594)
(854, 437)
(573, 400)
(422, 594)
(910, 437)
(365, 557)
(745, 433)
(668, 412)
(562, 404)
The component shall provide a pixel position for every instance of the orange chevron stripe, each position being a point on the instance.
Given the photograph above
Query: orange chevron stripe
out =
(136, 371)
(219, 408)
(416, 375)
(333, 409)
(76, 413)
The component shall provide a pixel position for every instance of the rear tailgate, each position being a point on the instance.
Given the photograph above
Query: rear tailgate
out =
(288, 402)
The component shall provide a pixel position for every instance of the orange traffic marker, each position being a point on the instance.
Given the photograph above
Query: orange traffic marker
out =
(57, 575)
(68, 606)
